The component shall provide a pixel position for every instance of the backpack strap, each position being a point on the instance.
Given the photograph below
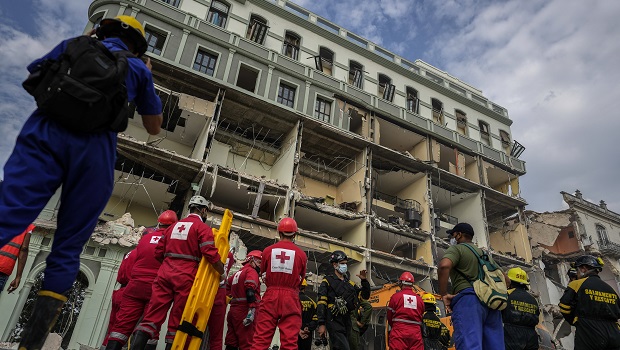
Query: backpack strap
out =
(479, 265)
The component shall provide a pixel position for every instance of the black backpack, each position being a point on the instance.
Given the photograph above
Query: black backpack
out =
(84, 89)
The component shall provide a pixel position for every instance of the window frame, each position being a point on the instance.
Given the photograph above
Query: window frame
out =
(356, 74)
(224, 16)
(318, 60)
(258, 75)
(178, 3)
(204, 49)
(601, 232)
(295, 48)
(158, 30)
(409, 98)
(290, 85)
(438, 112)
(386, 89)
(260, 23)
(325, 99)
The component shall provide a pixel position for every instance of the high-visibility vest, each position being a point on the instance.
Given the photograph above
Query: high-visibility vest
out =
(10, 252)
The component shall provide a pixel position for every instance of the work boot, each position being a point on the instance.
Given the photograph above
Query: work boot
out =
(114, 345)
(151, 346)
(43, 319)
(139, 341)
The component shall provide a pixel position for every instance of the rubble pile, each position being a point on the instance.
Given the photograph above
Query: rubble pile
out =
(120, 231)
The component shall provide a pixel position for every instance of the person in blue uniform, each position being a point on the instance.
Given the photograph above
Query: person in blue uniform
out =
(48, 155)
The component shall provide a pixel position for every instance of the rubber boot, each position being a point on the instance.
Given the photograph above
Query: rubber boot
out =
(43, 319)
(139, 340)
(151, 346)
(114, 345)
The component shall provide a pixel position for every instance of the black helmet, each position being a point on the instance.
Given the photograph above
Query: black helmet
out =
(589, 260)
(337, 256)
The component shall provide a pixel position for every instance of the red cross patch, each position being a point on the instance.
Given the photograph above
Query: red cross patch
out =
(180, 230)
(282, 260)
(410, 301)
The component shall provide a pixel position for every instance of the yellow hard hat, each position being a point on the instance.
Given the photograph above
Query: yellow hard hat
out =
(304, 283)
(125, 25)
(518, 275)
(428, 298)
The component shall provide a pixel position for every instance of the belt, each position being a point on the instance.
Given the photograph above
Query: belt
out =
(182, 256)
(406, 321)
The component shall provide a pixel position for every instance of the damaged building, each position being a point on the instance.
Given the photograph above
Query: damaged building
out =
(272, 111)
(560, 237)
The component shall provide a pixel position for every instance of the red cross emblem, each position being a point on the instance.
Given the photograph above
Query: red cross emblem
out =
(181, 228)
(410, 300)
(283, 257)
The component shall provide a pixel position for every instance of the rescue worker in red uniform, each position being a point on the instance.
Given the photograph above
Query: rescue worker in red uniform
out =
(404, 315)
(245, 293)
(215, 325)
(180, 249)
(138, 291)
(284, 266)
(122, 278)
(14, 251)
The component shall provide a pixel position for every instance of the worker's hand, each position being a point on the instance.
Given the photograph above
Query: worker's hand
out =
(447, 300)
(362, 275)
(249, 318)
(147, 61)
(321, 330)
(359, 324)
(14, 285)
(304, 333)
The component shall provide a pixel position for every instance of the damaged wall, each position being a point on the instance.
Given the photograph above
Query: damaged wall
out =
(282, 170)
(356, 235)
(420, 150)
(472, 171)
(546, 227)
(350, 190)
(417, 191)
(513, 239)
(313, 188)
(470, 210)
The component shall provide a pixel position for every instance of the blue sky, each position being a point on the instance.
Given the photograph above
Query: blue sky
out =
(551, 63)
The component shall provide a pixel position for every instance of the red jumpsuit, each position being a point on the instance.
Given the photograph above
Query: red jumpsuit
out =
(181, 248)
(138, 291)
(218, 312)
(238, 335)
(284, 265)
(404, 314)
(124, 271)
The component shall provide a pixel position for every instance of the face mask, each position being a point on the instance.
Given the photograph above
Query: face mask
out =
(342, 268)
(257, 266)
(453, 241)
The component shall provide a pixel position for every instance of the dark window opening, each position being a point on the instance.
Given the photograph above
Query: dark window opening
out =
(386, 89)
(505, 138)
(247, 78)
(286, 95)
(218, 13)
(485, 135)
(323, 109)
(205, 62)
(290, 47)
(413, 103)
(356, 74)
(171, 113)
(437, 111)
(257, 29)
(571, 234)
(461, 121)
(174, 3)
(325, 60)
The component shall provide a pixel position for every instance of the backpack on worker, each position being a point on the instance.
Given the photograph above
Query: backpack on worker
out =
(489, 285)
(84, 89)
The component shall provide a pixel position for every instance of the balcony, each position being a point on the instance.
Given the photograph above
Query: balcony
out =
(609, 248)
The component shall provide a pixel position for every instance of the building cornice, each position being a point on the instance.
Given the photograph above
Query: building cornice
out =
(590, 207)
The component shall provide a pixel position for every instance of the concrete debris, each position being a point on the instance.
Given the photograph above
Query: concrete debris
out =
(317, 203)
(120, 231)
(8, 345)
(547, 227)
(552, 310)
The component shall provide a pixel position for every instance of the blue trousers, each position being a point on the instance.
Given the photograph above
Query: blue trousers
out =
(45, 157)
(476, 327)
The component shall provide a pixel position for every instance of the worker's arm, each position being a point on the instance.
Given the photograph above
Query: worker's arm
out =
(443, 272)
(365, 291)
(152, 123)
(568, 301)
(21, 263)
(321, 307)
(391, 308)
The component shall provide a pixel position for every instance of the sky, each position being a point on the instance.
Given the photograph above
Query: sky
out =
(552, 63)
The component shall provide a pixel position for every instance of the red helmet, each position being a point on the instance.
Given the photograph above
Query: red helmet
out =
(256, 254)
(287, 227)
(168, 217)
(407, 277)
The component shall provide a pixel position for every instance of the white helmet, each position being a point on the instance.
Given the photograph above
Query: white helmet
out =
(198, 201)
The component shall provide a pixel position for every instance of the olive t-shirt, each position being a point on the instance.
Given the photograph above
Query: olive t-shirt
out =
(464, 260)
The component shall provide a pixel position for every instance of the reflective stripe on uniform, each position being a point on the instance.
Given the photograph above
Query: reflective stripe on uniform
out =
(182, 256)
(565, 309)
(119, 336)
(405, 321)
(14, 257)
(13, 244)
(206, 243)
(251, 281)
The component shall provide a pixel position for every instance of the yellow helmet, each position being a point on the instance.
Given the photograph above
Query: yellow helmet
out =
(124, 26)
(428, 298)
(518, 275)
(304, 283)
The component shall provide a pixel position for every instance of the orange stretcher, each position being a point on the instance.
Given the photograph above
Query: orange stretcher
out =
(202, 296)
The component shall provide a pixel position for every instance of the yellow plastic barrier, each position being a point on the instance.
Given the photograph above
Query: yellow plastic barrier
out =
(202, 295)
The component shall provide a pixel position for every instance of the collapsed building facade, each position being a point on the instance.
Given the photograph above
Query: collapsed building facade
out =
(272, 111)
(560, 237)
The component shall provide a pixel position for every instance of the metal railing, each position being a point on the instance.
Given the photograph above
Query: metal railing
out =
(609, 248)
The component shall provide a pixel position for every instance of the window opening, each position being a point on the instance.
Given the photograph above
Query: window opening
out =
(218, 13)
(257, 29)
(386, 89)
(290, 47)
(286, 95)
(205, 62)
(323, 109)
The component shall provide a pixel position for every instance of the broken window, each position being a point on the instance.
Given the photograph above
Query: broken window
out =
(505, 138)
(323, 109)
(155, 40)
(290, 47)
(325, 60)
(485, 135)
(171, 113)
(461, 122)
(413, 104)
(437, 111)
(286, 95)
(247, 78)
(218, 13)
(386, 89)
(356, 74)
(174, 3)
(205, 62)
(602, 233)
(257, 29)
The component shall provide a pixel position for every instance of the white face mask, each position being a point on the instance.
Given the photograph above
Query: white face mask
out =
(453, 241)
(342, 268)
